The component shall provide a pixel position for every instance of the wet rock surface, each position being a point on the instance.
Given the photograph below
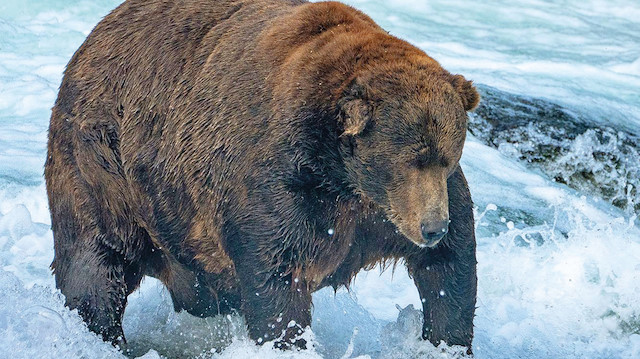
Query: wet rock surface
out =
(574, 149)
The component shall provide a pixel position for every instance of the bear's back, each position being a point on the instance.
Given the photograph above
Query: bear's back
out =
(145, 52)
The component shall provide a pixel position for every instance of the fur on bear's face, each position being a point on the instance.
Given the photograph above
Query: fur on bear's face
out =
(403, 137)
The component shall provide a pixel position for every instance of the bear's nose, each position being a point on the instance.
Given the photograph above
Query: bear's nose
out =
(432, 232)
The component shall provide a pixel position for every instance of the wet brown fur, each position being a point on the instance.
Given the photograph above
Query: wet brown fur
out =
(213, 144)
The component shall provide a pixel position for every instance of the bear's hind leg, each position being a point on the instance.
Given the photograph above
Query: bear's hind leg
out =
(94, 278)
(97, 253)
(200, 293)
(93, 282)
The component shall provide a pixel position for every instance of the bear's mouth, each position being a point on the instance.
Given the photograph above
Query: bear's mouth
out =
(426, 243)
(423, 236)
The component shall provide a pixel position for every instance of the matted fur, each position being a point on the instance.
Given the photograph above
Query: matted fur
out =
(248, 153)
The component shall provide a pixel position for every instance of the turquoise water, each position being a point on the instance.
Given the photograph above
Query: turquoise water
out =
(580, 53)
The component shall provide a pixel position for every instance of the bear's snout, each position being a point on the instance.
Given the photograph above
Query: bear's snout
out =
(419, 208)
(433, 232)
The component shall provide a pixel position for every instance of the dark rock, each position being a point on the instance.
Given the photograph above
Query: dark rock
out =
(570, 147)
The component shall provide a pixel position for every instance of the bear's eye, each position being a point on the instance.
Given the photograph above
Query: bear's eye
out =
(444, 162)
(420, 162)
(427, 157)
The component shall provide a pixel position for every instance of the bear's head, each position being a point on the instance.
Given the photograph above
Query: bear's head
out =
(403, 130)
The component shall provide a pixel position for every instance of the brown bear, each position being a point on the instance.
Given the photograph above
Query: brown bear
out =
(250, 152)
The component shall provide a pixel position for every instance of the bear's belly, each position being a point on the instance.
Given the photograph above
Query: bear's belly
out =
(327, 262)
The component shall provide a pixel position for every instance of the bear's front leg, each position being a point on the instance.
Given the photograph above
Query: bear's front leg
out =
(446, 275)
(276, 303)
(447, 290)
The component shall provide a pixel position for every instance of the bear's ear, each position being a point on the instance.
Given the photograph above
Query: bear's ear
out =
(356, 114)
(355, 111)
(467, 92)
